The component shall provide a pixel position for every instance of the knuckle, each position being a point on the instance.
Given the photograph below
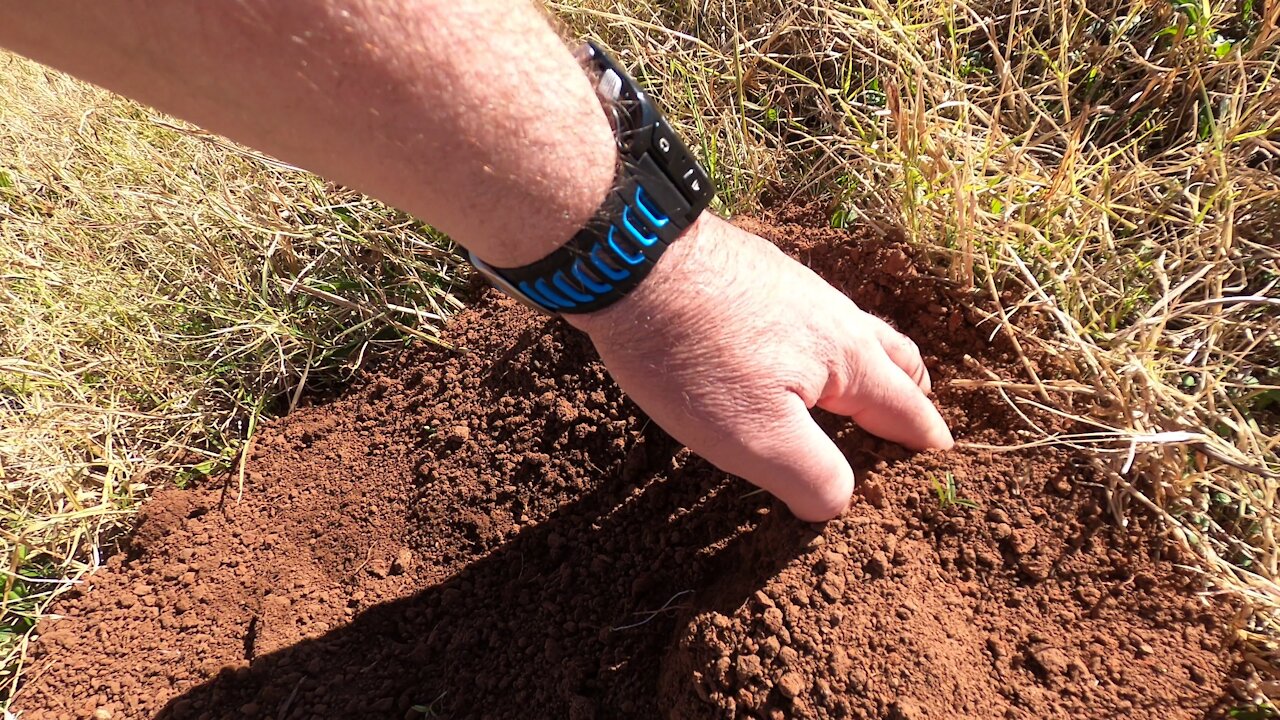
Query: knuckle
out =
(831, 501)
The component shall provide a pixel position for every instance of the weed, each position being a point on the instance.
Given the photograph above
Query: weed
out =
(1253, 712)
(948, 494)
(428, 710)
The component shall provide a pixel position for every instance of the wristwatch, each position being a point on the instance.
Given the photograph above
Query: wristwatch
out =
(659, 191)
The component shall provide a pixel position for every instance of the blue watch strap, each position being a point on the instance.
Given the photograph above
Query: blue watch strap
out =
(659, 191)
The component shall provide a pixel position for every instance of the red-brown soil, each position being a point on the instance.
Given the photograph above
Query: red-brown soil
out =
(496, 532)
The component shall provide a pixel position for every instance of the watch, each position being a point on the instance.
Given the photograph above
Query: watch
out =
(660, 189)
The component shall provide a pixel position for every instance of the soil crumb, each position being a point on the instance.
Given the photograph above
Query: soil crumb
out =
(495, 531)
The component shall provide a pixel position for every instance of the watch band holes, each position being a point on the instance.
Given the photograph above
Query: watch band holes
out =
(598, 259)
(651, 213)
(637, 233)
(629, 258)
(541, 285)
(562, 284)
(536, 296)
(583, 274)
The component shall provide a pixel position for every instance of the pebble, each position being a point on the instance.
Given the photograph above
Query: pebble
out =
(877, 566)
(402, 562)
(747, 668)
(1047, 660)
(832, 586)
(791, 684)
(721, 669)
(874, 494)
(995, 647)
(1024, 542)
(1036, 570)
(770, 646)
(379, 568)
(905, 709)
(772, 618)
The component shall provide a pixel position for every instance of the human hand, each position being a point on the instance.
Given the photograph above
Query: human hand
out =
(728, 343)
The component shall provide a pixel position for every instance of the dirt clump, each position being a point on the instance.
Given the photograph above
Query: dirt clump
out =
(495, 531)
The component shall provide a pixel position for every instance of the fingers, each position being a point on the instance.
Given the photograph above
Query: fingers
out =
(792, 458)
(901, 350)
(887, 402)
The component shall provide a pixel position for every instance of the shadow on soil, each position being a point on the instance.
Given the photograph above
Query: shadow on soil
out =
(577, 611)
(427, 651)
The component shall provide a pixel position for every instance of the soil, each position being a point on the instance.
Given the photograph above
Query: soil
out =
(495, 531)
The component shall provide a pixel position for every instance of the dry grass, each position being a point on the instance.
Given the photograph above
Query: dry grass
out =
(160, 290)
(1107, 170)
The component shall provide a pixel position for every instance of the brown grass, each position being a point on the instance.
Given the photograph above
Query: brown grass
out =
(1108, 169)
(160, 291)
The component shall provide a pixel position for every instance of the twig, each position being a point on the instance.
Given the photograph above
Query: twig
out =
(651, 614)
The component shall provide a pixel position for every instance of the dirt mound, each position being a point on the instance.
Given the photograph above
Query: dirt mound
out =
(496, 532)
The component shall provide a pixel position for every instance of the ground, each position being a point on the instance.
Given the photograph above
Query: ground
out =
(480, 531)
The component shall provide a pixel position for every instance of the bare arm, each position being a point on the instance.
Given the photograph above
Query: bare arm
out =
(470, 114)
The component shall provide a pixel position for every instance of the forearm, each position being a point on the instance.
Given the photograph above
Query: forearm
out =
(471, 115)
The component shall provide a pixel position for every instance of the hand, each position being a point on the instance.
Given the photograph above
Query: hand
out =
(728, 343)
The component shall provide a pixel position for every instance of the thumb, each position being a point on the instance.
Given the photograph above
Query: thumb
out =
(791, 457)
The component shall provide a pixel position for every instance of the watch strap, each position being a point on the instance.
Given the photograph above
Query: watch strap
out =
(659, 191)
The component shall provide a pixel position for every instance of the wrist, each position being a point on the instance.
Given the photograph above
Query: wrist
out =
(658, 192)
(537, 214)
(671, 287)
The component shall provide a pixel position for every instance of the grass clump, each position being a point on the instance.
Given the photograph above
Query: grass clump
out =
(948, 493)
(1105, 172)
(161, 290)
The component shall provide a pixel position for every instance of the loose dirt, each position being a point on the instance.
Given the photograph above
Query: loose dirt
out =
(494, 531)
